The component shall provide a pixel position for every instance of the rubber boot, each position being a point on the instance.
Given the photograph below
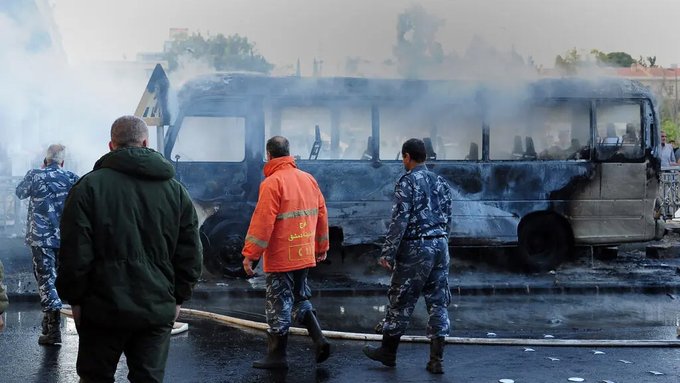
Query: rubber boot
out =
(323, 348)
(53, 335)
(386, 353)
(276, 353)
(44, 323)
(436, 355)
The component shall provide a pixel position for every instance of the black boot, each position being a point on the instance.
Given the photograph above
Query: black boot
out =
(323, 348)
(386, 353)
(44, 323)
(53, 335)
(276, 353)
(436, 355)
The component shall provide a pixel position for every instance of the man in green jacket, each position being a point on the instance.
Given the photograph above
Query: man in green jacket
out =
(3, 297)
(130, 256)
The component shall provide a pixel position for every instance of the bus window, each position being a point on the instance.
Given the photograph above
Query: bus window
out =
(297, 125)
(210, 139)
(456, 134)
(554, 131)
(354, 129)
(619, 131)
(344, 130)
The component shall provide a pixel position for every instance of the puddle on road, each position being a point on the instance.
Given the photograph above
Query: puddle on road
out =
(623, 316)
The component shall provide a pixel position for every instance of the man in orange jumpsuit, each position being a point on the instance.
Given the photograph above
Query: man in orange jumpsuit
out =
(289, 230)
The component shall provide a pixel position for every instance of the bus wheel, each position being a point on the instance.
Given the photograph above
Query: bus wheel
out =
(222, 245)
(544, 242)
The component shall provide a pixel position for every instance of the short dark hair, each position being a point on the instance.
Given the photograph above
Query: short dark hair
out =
(415, 148)
(278, 146)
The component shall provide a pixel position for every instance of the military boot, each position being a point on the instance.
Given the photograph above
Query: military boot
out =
(44, 322)
(386, 353)
(436, 355)
(53, 335)
(276, 353)
(323, 348)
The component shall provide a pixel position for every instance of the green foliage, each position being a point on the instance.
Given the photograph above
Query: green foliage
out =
(229, 53)
(570, 62)
(671, 129)
(615, 59)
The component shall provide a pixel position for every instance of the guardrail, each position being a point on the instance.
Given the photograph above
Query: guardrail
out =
(669, 191)
(12, 209)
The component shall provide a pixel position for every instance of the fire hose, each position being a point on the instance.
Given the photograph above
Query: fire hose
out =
(343, 335)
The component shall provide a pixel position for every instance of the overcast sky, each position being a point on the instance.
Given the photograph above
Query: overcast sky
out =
(284, 30)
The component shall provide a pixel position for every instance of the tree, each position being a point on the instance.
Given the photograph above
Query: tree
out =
(613, 59)
(233, 52)
(570, 62)
(671, 129)
(652, 61)
(416, 48)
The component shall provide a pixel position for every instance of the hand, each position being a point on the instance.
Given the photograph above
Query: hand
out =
(177, 309)
(386, 263)
(2, 322)
(76, 314)
(320, 257)
(248, 266)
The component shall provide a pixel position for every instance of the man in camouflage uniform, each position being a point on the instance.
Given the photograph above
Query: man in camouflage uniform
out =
(4, 302)
(47, 188)
(416, 251)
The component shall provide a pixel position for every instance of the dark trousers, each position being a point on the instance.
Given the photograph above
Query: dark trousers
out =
(99, 350)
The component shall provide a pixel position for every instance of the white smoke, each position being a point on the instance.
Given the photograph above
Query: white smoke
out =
(43, 100)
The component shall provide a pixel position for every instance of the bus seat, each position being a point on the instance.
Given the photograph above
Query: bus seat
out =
(474, 152)
(316, 146)
(530, 153)
(517, 151)
(429, 149)
(368, 153)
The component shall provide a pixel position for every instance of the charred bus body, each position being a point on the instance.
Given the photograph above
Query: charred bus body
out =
(546, 166)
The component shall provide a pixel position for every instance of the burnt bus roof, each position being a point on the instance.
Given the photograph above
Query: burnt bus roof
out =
(246, 85)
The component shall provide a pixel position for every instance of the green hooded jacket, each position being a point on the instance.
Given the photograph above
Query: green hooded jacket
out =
(3, 295)
(130, 248)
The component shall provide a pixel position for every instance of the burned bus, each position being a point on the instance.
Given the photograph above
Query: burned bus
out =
(542, 166)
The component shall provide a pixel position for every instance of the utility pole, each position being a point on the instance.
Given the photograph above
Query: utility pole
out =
(675, 104)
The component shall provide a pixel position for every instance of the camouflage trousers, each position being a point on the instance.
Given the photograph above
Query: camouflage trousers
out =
(287, 299)
(421, 266)
(45, 272)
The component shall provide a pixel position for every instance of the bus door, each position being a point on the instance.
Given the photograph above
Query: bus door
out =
(619, 149)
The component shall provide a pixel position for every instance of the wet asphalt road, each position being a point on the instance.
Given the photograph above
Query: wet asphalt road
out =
(215, 353)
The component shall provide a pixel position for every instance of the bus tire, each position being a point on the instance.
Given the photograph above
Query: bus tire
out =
(545, 241)
(222, 245)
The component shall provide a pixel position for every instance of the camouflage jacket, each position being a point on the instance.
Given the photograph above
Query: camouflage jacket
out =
(421, 209)
(47, 189)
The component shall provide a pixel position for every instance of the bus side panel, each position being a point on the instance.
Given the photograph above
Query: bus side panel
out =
(358, 196)
(492, 198)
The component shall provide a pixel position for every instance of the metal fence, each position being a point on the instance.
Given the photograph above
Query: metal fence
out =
(669, 191)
